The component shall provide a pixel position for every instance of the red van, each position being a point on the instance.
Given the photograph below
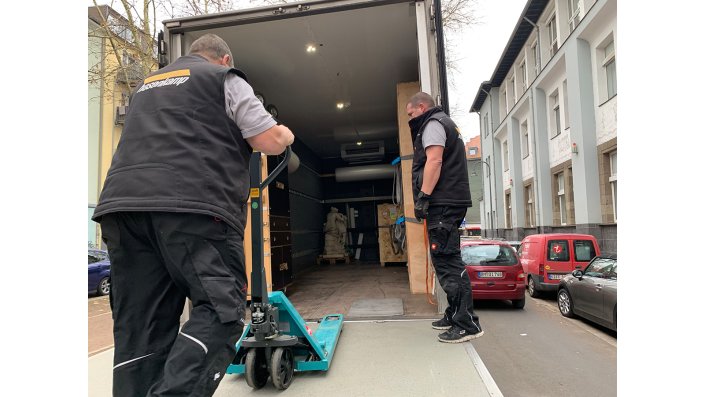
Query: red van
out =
(546, 258)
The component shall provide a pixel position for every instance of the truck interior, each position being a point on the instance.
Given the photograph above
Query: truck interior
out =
(332, 79)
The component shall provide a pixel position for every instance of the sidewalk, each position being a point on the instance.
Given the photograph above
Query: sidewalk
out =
(391, 358)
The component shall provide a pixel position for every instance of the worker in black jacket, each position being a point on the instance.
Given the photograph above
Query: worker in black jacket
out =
(173, 213)
(441, 197)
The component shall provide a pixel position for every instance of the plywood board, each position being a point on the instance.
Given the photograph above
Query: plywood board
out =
(417, 252)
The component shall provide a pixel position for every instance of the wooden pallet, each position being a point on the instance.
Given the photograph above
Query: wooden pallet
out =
(332, 259)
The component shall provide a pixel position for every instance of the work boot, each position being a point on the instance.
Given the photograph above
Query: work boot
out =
(458, 335)
(441, 324)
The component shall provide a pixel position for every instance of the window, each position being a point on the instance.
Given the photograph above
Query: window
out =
(610, 66)
(512, 90)
(93, 259)
(524, 77)
(525, 139)
(574, 14)
(552, 35)
(563, 211)
(558, 251)
(601, 267)
(487, 126)
(485, 254)
(472, 151)
(535, 54)
(584, 250)
(555, 114)
(505, 155)
(508, 206)
(503, 103)
(566, 115)
(529, 194)
(613, 182)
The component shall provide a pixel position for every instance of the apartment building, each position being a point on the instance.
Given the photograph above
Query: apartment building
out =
(548, 121)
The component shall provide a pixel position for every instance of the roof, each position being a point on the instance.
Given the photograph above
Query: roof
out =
(482, 241)
(532, 11)
(561, 235)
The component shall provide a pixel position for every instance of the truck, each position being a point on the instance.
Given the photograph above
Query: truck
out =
(338, 73)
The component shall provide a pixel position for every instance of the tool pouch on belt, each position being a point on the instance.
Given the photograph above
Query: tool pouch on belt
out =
(444, 238)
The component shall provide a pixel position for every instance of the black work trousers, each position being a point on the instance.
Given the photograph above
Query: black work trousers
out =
(442, 224)
(158, 260)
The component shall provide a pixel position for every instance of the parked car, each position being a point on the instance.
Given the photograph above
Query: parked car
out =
(592, 293)
(98, 272)
(546, 258)
(495, 271)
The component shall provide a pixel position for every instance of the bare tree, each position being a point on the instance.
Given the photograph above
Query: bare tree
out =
(129, 50)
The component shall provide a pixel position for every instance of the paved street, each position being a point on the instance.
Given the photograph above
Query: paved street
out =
(538, 352)
(530, 352)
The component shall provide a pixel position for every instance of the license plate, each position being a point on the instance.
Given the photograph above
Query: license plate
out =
(490, 274)
(555, 276)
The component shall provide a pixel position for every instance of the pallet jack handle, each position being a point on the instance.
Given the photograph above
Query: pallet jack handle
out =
(258, 278)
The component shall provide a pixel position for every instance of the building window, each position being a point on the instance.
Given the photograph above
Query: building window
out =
(552, 35)
(566, 115)
(535, 54)
(512, 90)
(508, 200)
(472, 151)
(555, 114)
(613, 182)
(563, 211)
(503, 103)
(529, 194)
(487, 126)
(524, 76)
(525, 139)
(610, 66)
(505, 155)
(574, 6)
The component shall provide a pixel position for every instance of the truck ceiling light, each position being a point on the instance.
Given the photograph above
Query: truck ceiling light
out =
(340, 105)
(311, 48)
(359, 143)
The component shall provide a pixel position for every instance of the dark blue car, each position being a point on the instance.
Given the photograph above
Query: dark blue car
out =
(98, 272)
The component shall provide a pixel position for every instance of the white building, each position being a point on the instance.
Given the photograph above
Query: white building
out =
(548, 120)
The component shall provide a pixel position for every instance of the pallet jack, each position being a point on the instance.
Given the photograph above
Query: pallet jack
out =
(277, 341)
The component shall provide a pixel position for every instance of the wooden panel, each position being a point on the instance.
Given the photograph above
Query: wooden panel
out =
(417, 251)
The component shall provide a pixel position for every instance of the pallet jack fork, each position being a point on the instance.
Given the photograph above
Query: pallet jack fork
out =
(277, 341)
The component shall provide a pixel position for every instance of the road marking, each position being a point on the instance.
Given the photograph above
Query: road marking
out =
(487, 379)
(578, 323)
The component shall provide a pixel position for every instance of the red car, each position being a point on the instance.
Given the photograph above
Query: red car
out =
(495, 271)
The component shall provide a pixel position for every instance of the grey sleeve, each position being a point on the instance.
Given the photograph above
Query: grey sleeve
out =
(433, 134)
(244, 108)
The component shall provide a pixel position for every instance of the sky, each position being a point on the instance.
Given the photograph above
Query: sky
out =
(482, 45)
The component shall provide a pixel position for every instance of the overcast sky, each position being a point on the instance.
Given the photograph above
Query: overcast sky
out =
(482, 46)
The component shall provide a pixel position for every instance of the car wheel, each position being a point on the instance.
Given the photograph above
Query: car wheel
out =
(104, 286)
(519, 303)
(532, 288)
(565, 303)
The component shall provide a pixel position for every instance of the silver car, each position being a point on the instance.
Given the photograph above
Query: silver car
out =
(591, 293)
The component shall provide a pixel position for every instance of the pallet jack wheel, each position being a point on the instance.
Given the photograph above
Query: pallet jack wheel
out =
(282, 367)
(256, 372)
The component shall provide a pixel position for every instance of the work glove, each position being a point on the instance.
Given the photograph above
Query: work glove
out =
(421, 206)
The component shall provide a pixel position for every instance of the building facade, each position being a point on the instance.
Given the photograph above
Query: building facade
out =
(548, 120)
(473, 155)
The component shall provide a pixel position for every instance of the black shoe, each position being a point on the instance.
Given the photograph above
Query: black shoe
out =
(458, 335)
(441, 324)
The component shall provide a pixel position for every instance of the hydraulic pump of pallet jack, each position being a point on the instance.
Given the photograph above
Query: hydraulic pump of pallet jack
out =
(265, 319)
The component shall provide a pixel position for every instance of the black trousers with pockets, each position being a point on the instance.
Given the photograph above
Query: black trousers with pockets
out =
(442, 224)
(158, 260)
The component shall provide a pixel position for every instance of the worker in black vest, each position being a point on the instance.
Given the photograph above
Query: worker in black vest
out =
(173, 213)
(441, 197)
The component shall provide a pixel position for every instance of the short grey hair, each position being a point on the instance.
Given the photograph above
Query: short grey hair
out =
(211, 46)
(422, 97)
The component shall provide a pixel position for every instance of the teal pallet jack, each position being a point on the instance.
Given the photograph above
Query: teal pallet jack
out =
(277, 341)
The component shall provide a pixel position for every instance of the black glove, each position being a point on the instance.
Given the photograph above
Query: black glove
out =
(421, 205)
